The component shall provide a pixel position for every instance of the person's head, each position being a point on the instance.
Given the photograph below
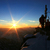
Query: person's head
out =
(42, 15)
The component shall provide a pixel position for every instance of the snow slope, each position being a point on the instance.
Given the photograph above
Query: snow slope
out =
(38, 43)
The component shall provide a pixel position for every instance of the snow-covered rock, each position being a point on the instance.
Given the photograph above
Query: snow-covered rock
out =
(38, 43)
(28, 35)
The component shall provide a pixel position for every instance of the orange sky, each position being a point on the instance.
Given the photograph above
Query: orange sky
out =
(17, 26)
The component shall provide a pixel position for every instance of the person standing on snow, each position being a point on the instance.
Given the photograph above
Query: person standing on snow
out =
(42, 20)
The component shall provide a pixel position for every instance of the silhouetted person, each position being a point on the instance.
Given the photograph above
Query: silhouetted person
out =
(42, 20)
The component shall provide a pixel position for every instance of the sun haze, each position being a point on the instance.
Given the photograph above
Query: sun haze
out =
(14, 24)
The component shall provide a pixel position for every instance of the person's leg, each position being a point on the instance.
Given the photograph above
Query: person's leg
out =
(43, 25)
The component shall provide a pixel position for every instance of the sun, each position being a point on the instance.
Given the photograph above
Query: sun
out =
(14, 24)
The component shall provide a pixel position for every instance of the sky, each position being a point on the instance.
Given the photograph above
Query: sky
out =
(24, 13)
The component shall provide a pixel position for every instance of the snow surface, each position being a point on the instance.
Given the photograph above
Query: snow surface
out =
(28, 35)
(38, 43)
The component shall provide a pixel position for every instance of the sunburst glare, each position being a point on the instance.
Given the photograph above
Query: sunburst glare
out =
(14, 25)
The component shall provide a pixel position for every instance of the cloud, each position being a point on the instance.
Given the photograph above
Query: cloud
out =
(24, 24)
(3, 21)
(32, 21)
